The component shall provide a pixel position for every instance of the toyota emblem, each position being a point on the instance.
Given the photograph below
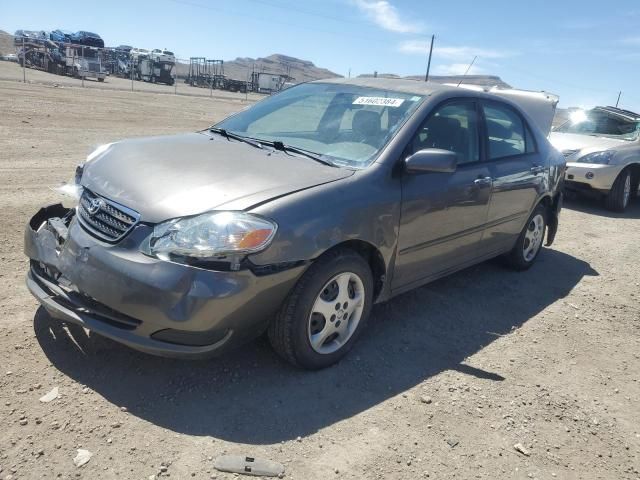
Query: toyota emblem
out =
(95, 205)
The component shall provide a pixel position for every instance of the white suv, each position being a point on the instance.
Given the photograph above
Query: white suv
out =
(602, 148)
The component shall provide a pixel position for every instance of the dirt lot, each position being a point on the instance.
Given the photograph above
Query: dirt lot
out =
(13, 71)
(444, 383)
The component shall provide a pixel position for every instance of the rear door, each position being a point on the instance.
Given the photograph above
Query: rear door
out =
(516, 170)
(443, 214)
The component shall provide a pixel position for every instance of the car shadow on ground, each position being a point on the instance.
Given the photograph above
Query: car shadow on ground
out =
(595, 206)
(251, 396)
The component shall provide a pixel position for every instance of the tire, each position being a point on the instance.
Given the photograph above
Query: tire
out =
(306, 338)
(635, 185)
(101, 79)
(523, 254)
(618, 197)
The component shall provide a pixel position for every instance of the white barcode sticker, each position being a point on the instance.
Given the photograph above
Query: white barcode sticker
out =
(379, 101)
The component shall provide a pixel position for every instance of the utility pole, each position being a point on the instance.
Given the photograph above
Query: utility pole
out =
(349, 72)
(426, 77)
(24, 62)
(82, 64)
(619, 95)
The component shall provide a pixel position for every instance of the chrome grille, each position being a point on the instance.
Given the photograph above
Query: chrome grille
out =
(105, 219)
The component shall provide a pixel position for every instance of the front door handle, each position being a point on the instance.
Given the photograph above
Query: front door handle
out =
(536, 169)
(482, 182)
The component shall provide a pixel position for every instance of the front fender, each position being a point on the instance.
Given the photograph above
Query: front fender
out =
(364, 207)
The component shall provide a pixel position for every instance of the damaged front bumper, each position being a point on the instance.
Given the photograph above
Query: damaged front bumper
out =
(155, 306)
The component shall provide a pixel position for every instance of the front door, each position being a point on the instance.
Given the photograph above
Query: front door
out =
(443, 214)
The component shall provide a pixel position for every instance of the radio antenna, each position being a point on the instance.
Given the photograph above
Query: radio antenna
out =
(468, 68)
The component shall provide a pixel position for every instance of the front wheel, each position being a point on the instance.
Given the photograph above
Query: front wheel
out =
(618, 197)
(529, 242)
(325, 312)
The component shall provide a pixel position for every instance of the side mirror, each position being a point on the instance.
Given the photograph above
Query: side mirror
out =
(431, 160)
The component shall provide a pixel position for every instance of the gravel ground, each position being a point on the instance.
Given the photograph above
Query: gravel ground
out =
(12, 71)
(486, 374)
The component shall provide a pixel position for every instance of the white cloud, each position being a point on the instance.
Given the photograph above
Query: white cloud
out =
(464, 53)
(385, 15)
(457, 69)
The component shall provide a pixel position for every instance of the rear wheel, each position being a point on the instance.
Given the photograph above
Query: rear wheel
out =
(635, 185)
(618, 197)
(325, 312)
(529, 242)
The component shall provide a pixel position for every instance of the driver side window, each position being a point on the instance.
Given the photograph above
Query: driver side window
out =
(453, 127)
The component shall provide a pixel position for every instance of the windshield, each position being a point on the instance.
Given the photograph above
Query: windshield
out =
(344, 124)
(601, 123)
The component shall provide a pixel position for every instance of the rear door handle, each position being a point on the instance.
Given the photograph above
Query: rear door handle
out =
(536, 169)
(482, 182)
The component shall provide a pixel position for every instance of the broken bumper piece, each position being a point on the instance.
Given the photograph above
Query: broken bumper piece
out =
(154, 306)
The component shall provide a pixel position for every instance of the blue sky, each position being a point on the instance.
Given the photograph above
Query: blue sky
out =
(585, 51)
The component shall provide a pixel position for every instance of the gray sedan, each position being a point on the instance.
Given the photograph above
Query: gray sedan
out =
(294, 217)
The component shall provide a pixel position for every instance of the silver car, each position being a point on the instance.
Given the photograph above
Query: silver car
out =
(294, 217)
(602, 148)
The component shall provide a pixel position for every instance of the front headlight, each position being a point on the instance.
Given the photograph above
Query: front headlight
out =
(212, 235)
(601, 158)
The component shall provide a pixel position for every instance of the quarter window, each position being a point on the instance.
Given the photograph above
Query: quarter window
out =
(506, 132)
(452, 127)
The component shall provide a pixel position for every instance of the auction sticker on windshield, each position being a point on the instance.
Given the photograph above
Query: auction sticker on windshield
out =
(379, 101)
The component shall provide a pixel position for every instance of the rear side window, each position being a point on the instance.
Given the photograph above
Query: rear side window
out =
(507, 132)
(529, 140)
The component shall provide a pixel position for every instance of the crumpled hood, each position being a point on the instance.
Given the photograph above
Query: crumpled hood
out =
(180, 175)
(573, 141)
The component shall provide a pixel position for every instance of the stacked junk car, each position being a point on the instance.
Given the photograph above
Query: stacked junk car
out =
(83, 55)
(76, 54)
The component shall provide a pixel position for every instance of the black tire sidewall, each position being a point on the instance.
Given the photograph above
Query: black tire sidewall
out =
(305, 355)
(614, 200)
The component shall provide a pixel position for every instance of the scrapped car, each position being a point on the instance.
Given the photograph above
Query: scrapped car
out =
(294, 217)
(602, 149)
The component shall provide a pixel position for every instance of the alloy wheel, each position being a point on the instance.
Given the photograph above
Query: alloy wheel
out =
(336, 313)
(627, 191)
(533, 237)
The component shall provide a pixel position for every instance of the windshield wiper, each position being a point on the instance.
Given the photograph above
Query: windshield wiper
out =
(283, 147)
(230, 135)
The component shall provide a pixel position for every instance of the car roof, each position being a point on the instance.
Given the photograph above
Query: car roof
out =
(393, 84)
(540, 106)
(620, 112)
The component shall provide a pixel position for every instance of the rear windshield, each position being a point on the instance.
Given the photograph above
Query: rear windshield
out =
(601, 123)
(345, 124)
